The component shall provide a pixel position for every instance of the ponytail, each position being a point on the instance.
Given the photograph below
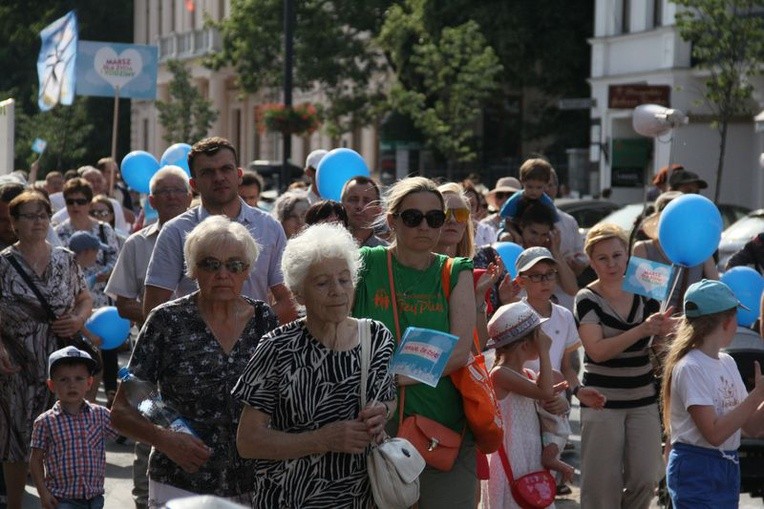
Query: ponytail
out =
(690, 334)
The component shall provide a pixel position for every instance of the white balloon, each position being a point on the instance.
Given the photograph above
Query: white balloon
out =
(653, 120)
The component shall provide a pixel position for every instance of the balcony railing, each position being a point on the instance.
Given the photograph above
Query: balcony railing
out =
(189, 44)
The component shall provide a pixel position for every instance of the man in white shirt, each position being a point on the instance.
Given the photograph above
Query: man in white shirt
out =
(311, 165)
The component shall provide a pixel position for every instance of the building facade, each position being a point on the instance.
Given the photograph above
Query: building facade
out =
(639, 57)
(177, 28)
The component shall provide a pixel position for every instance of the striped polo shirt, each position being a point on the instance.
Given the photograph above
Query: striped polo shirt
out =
(627, 380)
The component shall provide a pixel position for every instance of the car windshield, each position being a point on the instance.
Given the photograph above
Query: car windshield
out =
(625, 217)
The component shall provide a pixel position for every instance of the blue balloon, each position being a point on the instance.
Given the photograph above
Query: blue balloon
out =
(336, 168)
(689, 229)
(747, 285)
(508, 251)
(149, 212)
(137, 169)
(109, 326)
(176, 155)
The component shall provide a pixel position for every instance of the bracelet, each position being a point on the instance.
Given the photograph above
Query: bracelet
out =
(576, 389)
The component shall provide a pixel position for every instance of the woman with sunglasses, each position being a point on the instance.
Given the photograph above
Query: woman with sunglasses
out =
(27, 337)
(416, 297)
(194, 349)
(102, 209)
(78, 195)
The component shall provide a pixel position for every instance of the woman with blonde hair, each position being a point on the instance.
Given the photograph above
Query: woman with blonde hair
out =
(402, 285)
(620, 444)
(458, 235)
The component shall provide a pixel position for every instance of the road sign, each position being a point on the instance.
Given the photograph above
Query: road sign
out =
(579, 103)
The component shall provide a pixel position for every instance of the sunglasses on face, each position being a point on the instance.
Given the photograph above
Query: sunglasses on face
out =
(214, 265)
(459, 215)
(538, 278)
(413, 218)
(77, 201)
(100, 213)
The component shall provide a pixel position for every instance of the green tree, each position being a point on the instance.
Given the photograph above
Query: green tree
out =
(332, 54)
(66, 131)
(727, 39)
(20, 25)
(443, 79)
(187, 116)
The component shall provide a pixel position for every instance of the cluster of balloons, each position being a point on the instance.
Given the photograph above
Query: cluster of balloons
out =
(139, 166)
(109, 326)
(689, 230)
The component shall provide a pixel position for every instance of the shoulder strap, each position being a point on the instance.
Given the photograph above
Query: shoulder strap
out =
(28, 279)
(506, 465)
(102, 232)
(445, 277)
(364, 325)
(393, 298)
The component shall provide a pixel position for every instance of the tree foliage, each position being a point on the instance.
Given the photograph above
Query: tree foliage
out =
(20, 25)
(443, 79)
(727, 38)
(187, 116)
(332, 54)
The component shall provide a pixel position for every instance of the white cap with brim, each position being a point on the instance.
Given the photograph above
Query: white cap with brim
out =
(70, 353)
(314, 158)
(531, 256)
(512, 322)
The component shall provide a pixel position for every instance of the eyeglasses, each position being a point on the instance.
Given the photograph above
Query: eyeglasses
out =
(214, 265)
(538, 278)
(77, 201)
(459, 215)
(170, 191)
(100, 213)
(413, 218)
(42, 216)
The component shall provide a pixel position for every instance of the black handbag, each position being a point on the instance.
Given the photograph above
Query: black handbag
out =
(78, 340)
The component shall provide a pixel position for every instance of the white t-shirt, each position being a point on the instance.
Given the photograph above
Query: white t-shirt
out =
(698, 379)
(561, 328)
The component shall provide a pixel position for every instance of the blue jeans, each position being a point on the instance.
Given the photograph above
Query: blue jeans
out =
(78, 503)
(699, 477)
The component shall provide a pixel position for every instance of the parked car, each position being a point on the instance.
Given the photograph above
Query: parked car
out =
(738, 234)
(747, 347)
(586, 212)
(626, 216)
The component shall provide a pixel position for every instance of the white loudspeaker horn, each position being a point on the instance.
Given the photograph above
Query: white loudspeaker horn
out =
(653, 120)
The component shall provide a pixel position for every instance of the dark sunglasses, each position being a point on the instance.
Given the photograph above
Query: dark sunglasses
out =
(77, 201)
(413, 218)
(214, 265)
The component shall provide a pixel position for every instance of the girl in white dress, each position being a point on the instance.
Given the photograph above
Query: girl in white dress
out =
(516, 335)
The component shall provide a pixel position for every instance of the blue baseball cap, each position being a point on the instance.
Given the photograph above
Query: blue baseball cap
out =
(707, 297)
(83, 240)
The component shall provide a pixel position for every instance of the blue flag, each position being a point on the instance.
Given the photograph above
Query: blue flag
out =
(56, 63)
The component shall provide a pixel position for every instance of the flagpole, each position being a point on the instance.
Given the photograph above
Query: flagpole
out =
(114, 129)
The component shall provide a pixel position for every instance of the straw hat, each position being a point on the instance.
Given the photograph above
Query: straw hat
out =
(509, 185)
(650, 224)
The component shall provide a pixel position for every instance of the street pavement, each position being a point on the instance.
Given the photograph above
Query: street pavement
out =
(119, 467)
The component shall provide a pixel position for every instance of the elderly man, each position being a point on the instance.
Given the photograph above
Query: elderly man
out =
(216, 175)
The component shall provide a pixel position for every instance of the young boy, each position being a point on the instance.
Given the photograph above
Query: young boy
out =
(68, 460)
(86, 247)
(537, 271)
(535, 175)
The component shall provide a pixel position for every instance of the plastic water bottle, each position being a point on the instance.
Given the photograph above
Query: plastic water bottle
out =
(145, 398)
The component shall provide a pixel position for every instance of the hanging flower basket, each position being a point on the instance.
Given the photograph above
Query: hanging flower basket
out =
(297, 120)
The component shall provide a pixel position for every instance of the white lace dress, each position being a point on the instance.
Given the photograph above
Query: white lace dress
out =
(522, 441)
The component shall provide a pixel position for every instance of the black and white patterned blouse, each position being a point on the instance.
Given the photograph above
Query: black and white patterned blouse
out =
(302, 386)
(178, 352)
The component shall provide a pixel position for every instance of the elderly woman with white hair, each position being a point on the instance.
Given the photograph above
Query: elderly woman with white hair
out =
(194, 349)
(303, 418)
